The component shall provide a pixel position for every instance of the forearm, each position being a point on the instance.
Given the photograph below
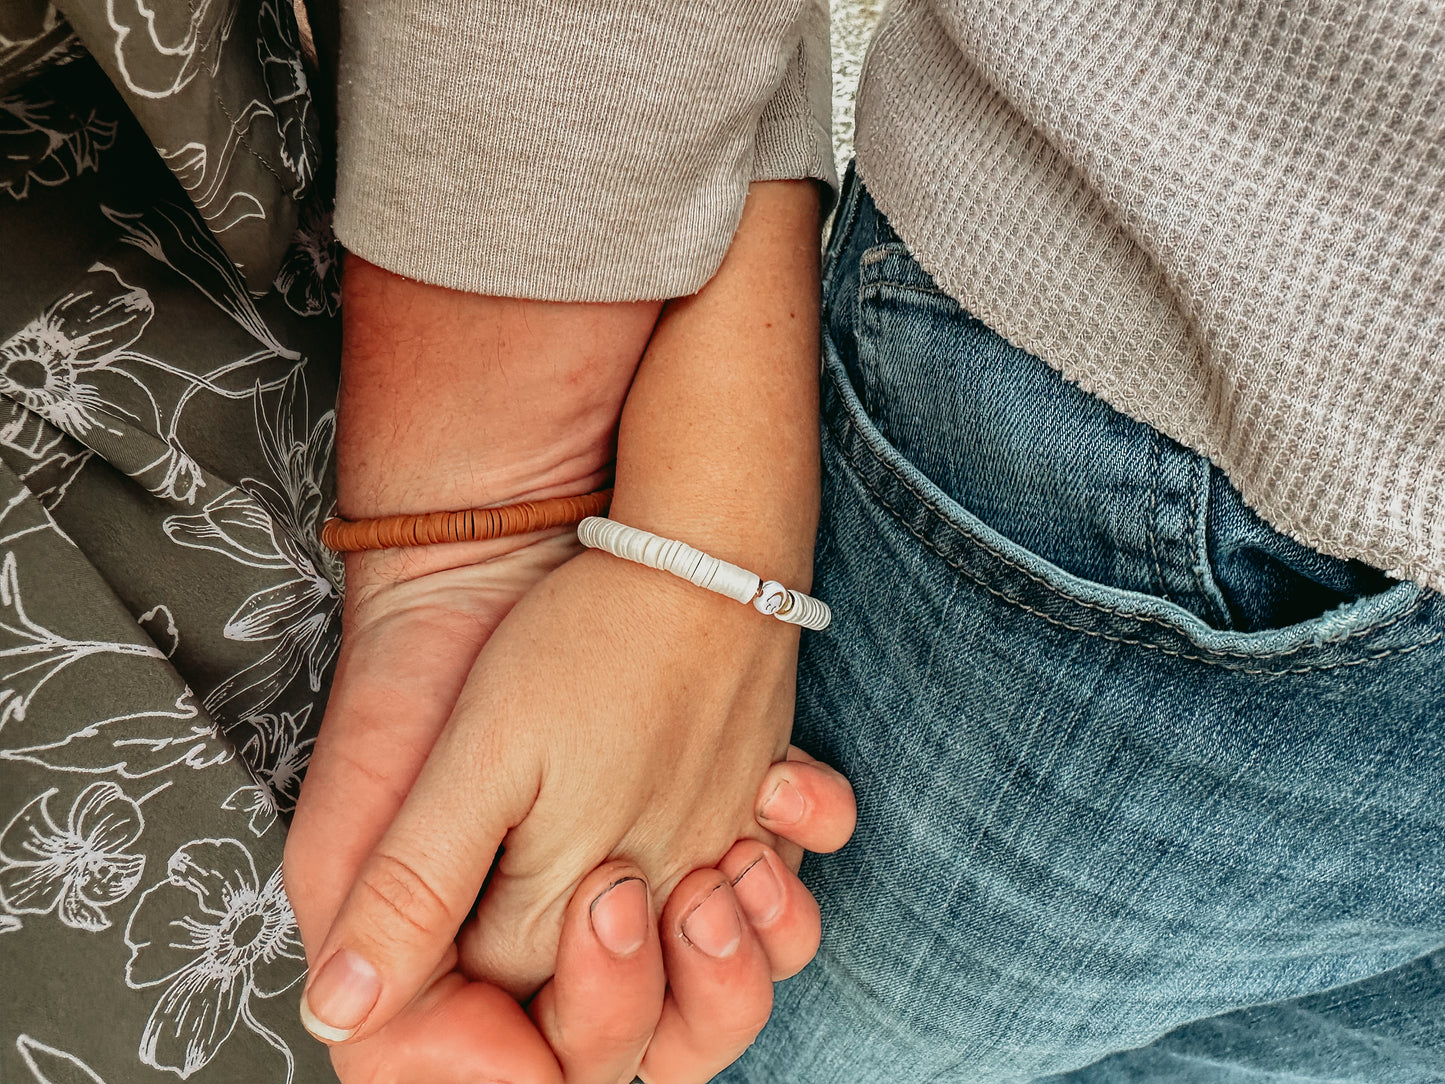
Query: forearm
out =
(719, 437)
(452, 400)
(615, 710)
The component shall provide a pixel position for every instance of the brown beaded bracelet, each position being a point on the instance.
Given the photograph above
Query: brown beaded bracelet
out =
(469, 525)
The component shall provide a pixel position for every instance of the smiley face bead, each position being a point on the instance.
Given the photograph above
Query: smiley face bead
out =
(770, 598)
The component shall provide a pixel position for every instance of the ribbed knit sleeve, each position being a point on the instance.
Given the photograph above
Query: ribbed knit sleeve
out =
(571, 151)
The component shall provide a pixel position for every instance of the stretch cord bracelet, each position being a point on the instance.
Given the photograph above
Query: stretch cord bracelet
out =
(701, 570)
(468, 525)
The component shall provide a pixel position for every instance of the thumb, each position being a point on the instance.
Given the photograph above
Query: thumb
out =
(411, 895)
(808, 803)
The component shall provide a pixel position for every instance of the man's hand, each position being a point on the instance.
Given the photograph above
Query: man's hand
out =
(384, 715)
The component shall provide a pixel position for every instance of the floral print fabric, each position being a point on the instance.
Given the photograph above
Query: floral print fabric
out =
(168, 618)
(219, 88)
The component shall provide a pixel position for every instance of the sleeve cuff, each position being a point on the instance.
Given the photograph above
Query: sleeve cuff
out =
(600, 154)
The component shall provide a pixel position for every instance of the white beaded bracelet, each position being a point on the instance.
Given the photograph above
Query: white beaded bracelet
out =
(694, 566)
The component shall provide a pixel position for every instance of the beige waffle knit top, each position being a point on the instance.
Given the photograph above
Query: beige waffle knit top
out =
(1225, 217)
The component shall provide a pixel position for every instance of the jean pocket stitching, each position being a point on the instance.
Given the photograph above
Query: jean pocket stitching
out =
(1217, 657)
(912, 287)
(1156, 466)
(1208, 660)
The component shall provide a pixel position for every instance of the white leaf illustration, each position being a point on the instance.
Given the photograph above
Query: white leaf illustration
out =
(30, 654)
(134, 745)
(160, 625)
(51, 1066)
(188, 163)
(238, 207)
(171, 234)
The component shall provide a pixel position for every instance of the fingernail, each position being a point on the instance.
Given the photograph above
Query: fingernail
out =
(713, 926)
(758, 890)
(783, 806)
(620, 916)
(339, 997)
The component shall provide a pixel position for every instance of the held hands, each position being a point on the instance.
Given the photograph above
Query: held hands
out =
(616, 716)
(608, 715)
(604, 1009)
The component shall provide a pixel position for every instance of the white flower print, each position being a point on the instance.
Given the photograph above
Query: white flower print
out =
(76, 871)
(159, 48)
(215, 936)
(256, 804)
(278, 47)
(51, 1066)
(30, 654)
(299, 465)
(48, 365)
(277, 754)
(182, 476)
(275, 526)
(56, 459)
(48, 142)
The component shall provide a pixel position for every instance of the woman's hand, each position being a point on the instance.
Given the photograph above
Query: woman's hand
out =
(407, 649)
(615, 713)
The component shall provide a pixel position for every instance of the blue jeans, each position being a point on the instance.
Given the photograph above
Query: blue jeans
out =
(1147, 790)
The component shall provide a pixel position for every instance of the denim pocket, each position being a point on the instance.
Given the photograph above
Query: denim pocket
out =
(1063, 504)
(1085, 815)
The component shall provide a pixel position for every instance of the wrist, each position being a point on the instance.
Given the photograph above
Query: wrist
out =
(718, 445)
(451, 400)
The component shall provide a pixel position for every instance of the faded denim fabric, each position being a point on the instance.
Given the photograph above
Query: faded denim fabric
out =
(1147, 791)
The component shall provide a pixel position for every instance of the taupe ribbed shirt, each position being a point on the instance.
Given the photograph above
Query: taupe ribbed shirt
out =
(1225, 217)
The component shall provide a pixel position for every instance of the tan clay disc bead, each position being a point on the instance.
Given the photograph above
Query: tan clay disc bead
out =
(468, 525)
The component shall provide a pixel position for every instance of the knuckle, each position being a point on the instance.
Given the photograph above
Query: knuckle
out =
(799, 956)
(401, 894)
(737, 1023)
(743, 1028)
(752, 1022)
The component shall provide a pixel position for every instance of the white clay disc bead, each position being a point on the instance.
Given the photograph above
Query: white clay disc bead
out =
(771, 598)
(668, 555)
(703, 570)
(805, 610)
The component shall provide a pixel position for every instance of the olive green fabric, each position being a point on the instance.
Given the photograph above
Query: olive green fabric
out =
(168, 619)
(219, 87)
